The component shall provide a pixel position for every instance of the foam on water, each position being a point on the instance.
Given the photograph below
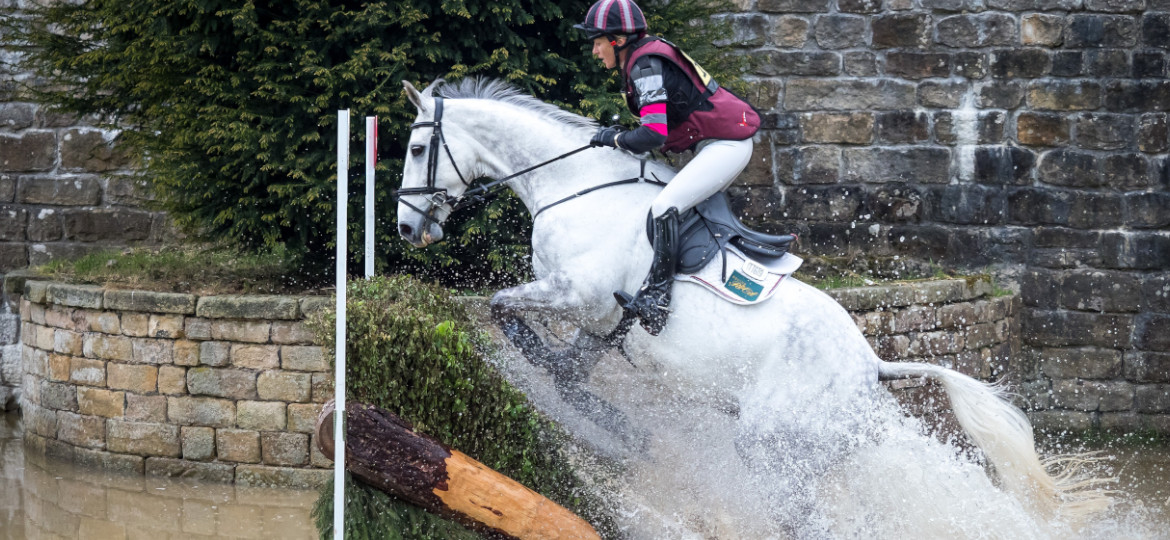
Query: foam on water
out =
(687, 479)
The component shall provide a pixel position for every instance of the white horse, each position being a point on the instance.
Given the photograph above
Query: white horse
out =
(792, 364)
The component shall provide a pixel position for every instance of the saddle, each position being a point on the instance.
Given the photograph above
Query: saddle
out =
(707, 229)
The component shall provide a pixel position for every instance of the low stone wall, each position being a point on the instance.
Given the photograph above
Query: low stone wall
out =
(225, 388)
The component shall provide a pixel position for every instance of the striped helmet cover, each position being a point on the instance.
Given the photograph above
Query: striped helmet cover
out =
(614, 17)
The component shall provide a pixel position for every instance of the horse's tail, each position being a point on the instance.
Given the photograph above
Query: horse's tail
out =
(1004, 434)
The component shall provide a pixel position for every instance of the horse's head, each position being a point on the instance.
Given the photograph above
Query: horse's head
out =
(436, 169)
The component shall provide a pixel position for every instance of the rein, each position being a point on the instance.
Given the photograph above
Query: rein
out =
(437, 197)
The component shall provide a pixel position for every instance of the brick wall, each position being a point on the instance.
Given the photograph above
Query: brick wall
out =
(223, 388)
(1029, 136)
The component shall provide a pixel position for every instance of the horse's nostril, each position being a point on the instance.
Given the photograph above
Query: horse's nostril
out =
(405, 230)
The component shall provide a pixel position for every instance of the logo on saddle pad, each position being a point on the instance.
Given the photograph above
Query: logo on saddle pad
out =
(743, 286)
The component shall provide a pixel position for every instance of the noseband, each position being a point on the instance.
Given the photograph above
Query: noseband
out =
(437, 197)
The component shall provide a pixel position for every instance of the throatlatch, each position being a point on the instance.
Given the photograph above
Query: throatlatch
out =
(652, 301)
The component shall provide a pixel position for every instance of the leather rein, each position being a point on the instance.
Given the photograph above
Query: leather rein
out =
(437, 197)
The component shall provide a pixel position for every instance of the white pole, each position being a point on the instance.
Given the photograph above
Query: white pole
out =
(371, 160)
(339, 330)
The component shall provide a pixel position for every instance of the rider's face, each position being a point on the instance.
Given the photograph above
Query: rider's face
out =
(604, 50)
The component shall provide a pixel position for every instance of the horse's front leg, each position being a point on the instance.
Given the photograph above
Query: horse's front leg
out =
(570, 366)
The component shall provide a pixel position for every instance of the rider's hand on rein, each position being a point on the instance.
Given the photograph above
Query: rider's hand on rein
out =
(607, 136)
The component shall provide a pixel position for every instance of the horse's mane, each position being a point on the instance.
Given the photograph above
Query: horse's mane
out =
(499, 90)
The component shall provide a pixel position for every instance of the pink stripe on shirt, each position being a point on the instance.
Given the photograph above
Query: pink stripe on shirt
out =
(655, 108)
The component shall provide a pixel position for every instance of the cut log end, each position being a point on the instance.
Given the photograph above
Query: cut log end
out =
(386, 453)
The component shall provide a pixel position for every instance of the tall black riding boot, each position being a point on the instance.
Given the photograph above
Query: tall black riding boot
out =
(652, 300)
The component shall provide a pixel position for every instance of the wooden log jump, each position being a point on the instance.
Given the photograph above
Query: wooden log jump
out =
(385, 452)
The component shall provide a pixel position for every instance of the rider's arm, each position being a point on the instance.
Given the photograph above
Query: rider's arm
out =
(648, 79)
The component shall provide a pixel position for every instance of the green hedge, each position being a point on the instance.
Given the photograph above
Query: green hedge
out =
(413, 350)
(232, 105)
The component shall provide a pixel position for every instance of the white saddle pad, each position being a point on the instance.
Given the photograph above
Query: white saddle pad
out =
(745, 281)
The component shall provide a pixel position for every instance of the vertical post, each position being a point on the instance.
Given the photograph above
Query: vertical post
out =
(339, 330)
(371, 160)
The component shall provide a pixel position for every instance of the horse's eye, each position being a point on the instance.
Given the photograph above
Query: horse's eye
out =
(416, 150)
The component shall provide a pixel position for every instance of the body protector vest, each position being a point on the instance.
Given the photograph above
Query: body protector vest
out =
(716, 114)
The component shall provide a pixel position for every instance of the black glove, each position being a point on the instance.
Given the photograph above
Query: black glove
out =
(606, 136)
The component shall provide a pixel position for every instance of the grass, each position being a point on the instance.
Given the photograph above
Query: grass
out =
(187, 269)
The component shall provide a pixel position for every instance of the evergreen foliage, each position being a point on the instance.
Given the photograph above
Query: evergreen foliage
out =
(231, 106)
(413, 350)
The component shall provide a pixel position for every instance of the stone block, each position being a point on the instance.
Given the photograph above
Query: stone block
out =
(1101, 290)
(1069, 168)
(97, 321)
(1081, 363)
(201, 411)
(900, 31)
(135, 378)
(848, 128)
(1140, 367)
(152, 351)
(1155, 30)
(810, 165)
(237, 445)
(247, 307)
(1041, 29)
(135, 324)
(58, 396)
(45, 226)
(142, 438)
(1019, 63)
(829, 203)
(255, 356)
(1042, 129)
(1137, 96)
(215, 353)
(106, 347)
(13, 256)
(1135, 250)
(195, 328)
(839, 31)
(220, 382)
(91, 150)
(95, 225)
(172, 380)
(941, 94)
(772, 63)
(302, 417)
(997, 165)
(793, 6)
(836, 94)
(30, 151)
(142, 408)
(1152, 332)
(1152, 398)
(245, 331)
(322, 387)
(17, 116)
(1064, 96)
(1105, 131)
(1093, 30)
(40, 420)
(859, 6)
(186, 353)
(151, 302)
(747, 30)
(1000, 94)
(84, 296)
(1107, 63)
(790, 32)
(87, 371)
(1153, 134)
(1072, 329)
(68, 342)
(287, 449)
(1116, 6)
(101, 402)
(859, 64)
(261, 475)
(198, 443)
(284, 386)
(977, 30)
(13, 224)
(1156, 293)
(261, 415)
(922, 165)
(44, 338)
(220, 473)
(81, 430)
(967, 205)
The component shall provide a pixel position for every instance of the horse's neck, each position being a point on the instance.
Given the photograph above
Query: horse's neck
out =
(512, 139)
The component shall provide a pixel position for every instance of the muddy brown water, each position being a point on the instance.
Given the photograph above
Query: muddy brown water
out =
(59, 500)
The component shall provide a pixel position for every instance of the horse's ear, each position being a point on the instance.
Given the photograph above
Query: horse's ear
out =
(414, 96)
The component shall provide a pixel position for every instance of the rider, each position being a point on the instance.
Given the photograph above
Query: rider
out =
(681, 108)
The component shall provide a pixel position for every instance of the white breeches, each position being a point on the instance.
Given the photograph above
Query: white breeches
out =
(713, 168)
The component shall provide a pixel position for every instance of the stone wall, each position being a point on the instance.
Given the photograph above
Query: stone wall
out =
(225, 388)
(1029, 136)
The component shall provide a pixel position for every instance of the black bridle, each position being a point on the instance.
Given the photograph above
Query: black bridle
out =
(436, 196)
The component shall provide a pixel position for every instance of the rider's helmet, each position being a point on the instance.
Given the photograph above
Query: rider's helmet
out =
(613, 18)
